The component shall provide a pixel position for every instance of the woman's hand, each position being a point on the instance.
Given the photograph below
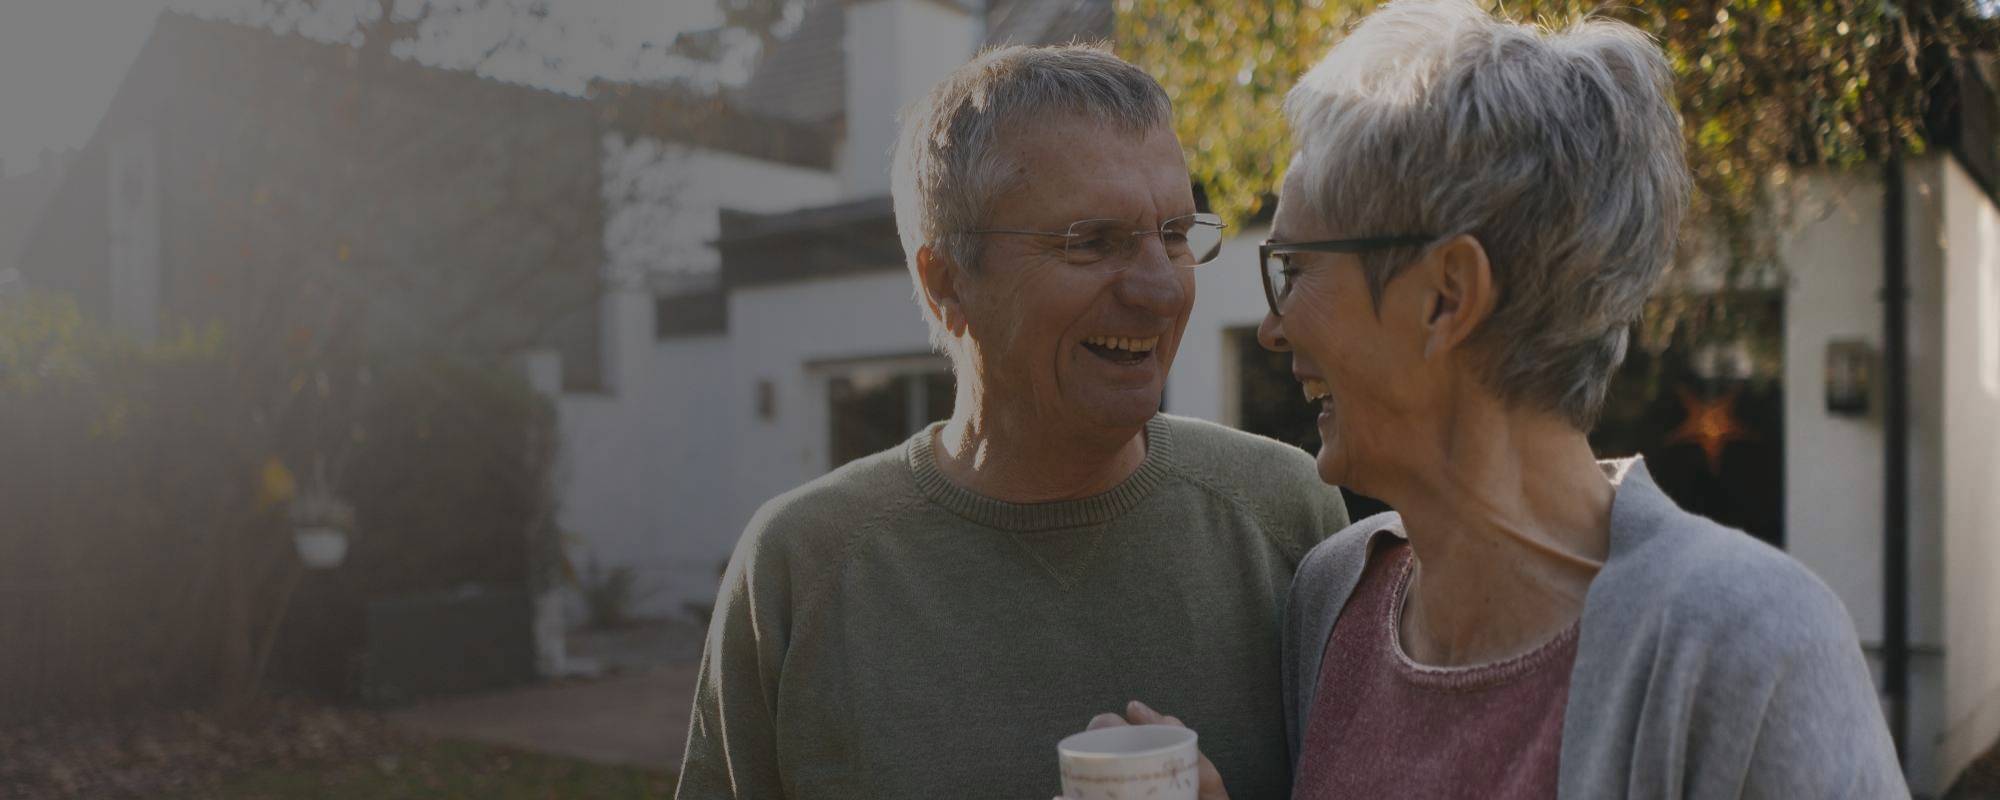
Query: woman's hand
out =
(1137, 713)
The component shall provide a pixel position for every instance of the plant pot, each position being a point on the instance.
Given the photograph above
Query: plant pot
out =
(320, 547)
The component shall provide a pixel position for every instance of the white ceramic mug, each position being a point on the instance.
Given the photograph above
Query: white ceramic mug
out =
(1130, 762)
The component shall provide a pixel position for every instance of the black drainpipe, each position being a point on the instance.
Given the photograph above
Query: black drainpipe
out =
(1895, 460)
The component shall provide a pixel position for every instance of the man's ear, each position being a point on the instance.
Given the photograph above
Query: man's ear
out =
(937, 276)
(1460, 294)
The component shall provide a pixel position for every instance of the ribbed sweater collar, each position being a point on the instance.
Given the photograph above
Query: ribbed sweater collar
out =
(1094, 510)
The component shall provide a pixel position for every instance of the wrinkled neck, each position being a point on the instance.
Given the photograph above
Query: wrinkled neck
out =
(1509, 519)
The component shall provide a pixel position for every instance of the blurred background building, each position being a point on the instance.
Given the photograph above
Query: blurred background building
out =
(790, 345)
(707, 289)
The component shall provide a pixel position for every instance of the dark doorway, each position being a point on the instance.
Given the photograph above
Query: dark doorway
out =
(873, 410)
(1675, 406)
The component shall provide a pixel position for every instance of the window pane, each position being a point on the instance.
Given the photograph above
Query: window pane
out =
(939, 393)
(870, 410)
(866, 414)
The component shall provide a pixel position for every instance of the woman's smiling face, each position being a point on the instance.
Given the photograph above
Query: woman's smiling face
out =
(1361, 363)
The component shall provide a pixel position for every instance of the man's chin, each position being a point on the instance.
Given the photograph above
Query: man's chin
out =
(1124, 409)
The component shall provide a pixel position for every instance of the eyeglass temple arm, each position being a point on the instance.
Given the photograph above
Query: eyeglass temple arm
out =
(1344, 245)
(1068, 234)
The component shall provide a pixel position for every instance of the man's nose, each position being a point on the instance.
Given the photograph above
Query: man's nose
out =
(1152, 281)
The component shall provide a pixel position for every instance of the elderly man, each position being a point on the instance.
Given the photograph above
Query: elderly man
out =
(929, 621)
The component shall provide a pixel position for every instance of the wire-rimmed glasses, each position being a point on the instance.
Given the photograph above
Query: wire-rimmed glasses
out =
(1111, 245)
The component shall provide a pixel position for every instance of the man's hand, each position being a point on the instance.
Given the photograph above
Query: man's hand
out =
(1137, 713)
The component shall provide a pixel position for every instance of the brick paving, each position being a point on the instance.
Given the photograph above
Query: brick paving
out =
(637, 715)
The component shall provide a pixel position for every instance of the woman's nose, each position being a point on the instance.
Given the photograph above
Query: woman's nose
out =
(1271, 334)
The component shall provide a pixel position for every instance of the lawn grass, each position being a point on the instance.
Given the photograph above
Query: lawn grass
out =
(442, 769)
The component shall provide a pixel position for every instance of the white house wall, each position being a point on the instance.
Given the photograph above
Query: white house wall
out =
(642, 471)
(1834, 464)
(1228, 295)
(648, 466)
(661, 200)
(1970, 243)
(776, 332)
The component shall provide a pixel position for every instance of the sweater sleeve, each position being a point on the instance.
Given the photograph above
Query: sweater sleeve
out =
(1822, 733)
(1311, 512)
(732, 730)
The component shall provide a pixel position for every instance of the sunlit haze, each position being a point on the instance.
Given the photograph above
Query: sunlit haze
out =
(61, 60)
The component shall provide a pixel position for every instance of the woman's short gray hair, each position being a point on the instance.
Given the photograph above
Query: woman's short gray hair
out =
(948, 166)
(1559, 151)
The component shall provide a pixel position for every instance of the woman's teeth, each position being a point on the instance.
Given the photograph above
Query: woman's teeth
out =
(1316, 390)
(1128, 343)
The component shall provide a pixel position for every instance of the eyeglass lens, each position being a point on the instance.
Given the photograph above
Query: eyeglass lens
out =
(1277, 276)
(1189, 241)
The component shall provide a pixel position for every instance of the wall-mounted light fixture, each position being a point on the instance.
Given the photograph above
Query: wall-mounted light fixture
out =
(1850, 376)
(767, 400)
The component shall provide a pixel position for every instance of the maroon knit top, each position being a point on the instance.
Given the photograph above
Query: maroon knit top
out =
(1385, 726)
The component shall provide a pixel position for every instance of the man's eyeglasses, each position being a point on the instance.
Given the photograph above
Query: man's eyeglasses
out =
(1274, 259)
(1111, 245)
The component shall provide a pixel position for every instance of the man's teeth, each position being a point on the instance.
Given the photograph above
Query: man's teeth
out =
(1316, 390)
(1145, 345)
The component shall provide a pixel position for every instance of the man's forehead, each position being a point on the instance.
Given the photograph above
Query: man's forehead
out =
(1073, 167)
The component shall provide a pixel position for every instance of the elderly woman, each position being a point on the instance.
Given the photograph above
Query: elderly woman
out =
(1476, 213)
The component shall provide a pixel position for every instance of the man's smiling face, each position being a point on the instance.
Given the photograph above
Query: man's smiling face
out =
(1070, 343)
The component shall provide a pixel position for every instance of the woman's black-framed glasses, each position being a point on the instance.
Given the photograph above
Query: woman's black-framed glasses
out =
(1111, 245)
(1274, 262)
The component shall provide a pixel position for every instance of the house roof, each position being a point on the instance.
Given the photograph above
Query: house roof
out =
(803, 76)
(455, 203)
(843, 238)
(674, 113)
(1048, 21)
(660, 111)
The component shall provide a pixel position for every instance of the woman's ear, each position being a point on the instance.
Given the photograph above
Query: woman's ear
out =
(937, 277)
(1461, 294)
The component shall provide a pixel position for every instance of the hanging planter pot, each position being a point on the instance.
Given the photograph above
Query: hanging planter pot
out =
(320, 547)
(320, 525)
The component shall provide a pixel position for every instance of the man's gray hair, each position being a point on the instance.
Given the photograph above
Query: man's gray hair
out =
(1559, 151)
(948, 165)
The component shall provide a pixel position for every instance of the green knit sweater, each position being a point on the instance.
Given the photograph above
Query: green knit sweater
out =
(884, 633)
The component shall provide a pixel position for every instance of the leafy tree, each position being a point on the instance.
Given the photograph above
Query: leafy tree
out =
(1764, 86)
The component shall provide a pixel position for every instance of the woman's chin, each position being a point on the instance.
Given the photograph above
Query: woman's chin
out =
(1332, 469)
